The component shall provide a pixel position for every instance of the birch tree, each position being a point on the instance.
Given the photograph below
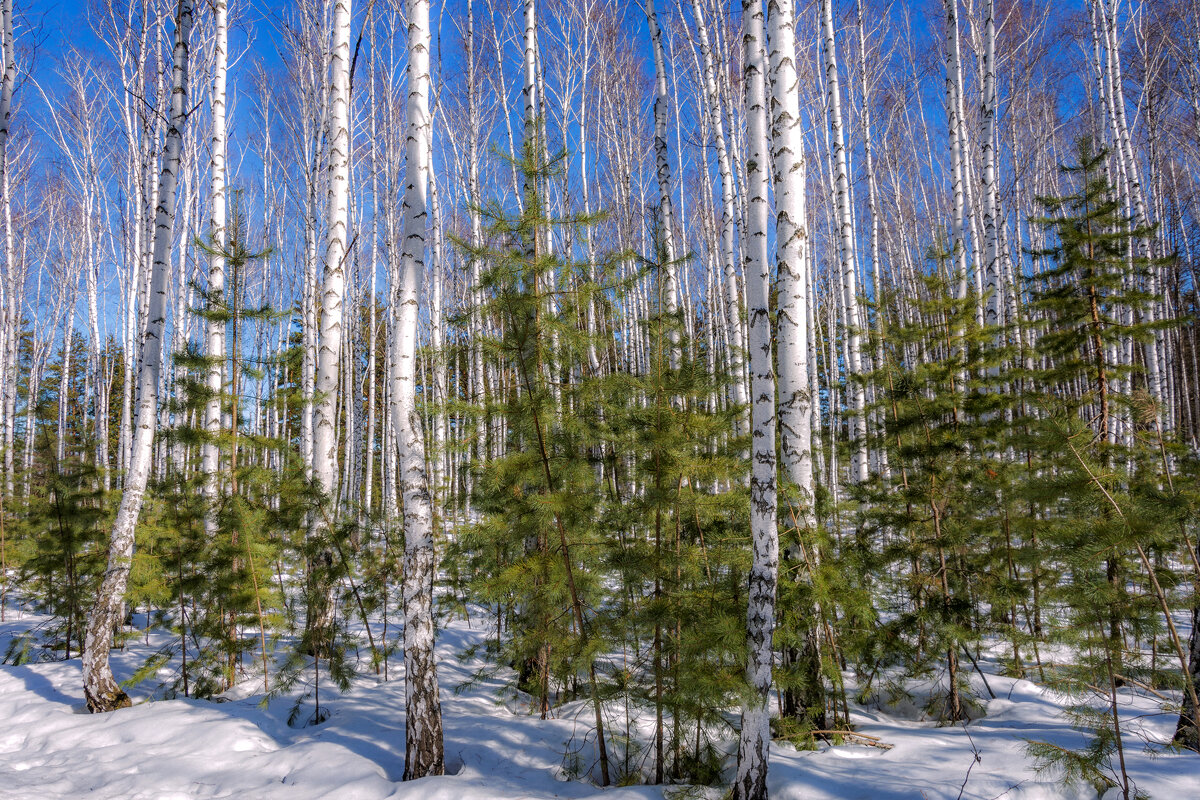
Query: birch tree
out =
(1107, 51)
(215, 333)
(755, 742)
(846, 250)
(991, 194)
(663, 166)
(100, 688)
(958, 155)
(791, 256)
(10, 312)
(333, 283)
(423, 730)
(729, 213)
(308, 41)
(791, 260)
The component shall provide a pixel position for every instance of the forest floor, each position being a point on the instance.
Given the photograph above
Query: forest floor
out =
(237, 748)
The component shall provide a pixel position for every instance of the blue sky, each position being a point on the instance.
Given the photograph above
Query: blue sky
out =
(56, 23)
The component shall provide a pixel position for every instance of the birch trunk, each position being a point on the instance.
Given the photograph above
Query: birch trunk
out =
(64, 383)
(954, 122)
(423, 719)
(97, 381)
(325, 453)
(372, 322)
(991, 198)
(308, 367)
(662, 158)
(11, 313)
(729, 214)
(529, 95)
(475, 210)
(880, 455)
(847, 247)
(790, 172)
(215, 329)
(755, 743)
(100, 688)
(1106, 40)
(441, 427)
(791, 258)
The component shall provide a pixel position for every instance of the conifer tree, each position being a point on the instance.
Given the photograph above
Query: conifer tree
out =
(217, 534)
(1091, 298)
(58, 545)
(540, 499)
(676, 544)
(62, 529)
(636, 468)
(932, 515)
(1092, 302)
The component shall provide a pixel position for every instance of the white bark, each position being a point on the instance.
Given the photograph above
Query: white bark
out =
(10, 314)
(215, 329)
(991, 198)
(791, 254)
(100, 688)
(1106, 41)
(729, 214)
(874, 222)
(441, 426)
(475, 210)
(423, 732)
(372, 321)
(64, 384)
(663, 171)
(847, 249)
(954, 117)
(755, 742)
(529, 93)
(325, 445)
(143, 129)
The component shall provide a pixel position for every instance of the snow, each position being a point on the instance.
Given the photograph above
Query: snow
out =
(168, 749)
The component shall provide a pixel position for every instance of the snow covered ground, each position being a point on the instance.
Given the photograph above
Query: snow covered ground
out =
(50, 747)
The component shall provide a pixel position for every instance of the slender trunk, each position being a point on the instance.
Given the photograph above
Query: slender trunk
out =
(10, 315)
(729, 213)
(954, 115)
(215, 336)
(875, 224)
(64, 384)
(663, 173)
(847, 248)
(791, 258)
(474, 198)
(325, 452)
(423, 732)
(372, 314)
(100, 688)
(991, 197)
(754, 746)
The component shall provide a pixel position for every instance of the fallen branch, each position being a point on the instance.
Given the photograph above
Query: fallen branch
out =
(870, 741)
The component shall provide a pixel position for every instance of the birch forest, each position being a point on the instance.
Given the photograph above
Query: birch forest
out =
(685, 394)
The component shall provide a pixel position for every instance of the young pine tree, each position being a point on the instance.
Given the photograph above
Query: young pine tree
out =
(216, 540)
(676, 539)
(534, 550)
(59, 536)
(1098, 467)
(931, 525)
(63, 532)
